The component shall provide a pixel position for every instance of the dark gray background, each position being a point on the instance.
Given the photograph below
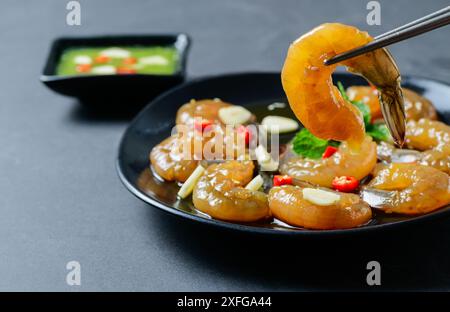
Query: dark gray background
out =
(61, 200)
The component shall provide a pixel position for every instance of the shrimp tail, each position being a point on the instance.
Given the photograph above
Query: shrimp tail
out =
(391, 102)
(380, 199)
(384, 74)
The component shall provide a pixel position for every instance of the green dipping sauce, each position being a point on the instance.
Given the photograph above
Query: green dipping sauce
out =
(118, 60)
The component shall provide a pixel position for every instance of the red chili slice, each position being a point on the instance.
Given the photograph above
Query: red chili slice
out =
(245, 132)
(279, 180)
(102, 59)
(125, 70)
(200, 125)
(329, 151)
(83, 68)
(129, 60)
(345, 183)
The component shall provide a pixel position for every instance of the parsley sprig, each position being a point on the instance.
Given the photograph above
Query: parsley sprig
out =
(310, 146)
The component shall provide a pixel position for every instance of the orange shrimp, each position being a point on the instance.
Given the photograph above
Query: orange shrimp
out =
(409, 189)
(176, 157)
(318, 104)
(169, 161)
(221, 194)
(416, 106)
(429, 141)
(344, 162)
(288, 204)
(206, 109)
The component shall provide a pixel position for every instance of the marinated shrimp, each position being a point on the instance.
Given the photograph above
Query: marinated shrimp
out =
(409, 189)
(169, 160)
(206, 109)
(288, 204)
(318, 104)
(221, 194)
(345, 162)
(430, 137)
(427, 134)
(176, 157)
(416, 106)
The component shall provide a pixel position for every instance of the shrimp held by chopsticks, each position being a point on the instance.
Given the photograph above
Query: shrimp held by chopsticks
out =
(319, 105)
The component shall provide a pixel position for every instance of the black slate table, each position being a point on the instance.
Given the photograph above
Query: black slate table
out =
(61, 199)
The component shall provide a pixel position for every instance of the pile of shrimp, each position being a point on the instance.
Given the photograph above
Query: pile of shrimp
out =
(408, 175)
(175, 158)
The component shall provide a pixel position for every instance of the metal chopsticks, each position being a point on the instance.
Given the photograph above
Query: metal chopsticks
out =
(422, 25)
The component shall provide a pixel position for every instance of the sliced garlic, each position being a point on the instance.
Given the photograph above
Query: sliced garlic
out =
(104, 70)
(279, 124)
(115, 53)
(188, 186)
(265, 160)
(255, 184)
(234, 115)
(320, 197)
(82, 60)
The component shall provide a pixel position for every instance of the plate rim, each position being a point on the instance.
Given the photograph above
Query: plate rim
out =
(249, 228)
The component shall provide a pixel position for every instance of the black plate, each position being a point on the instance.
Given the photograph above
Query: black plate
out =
(124, 89)
(250, 89)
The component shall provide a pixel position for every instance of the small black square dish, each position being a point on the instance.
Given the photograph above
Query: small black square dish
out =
(125, 69)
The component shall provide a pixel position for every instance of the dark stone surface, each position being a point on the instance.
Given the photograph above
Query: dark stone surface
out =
(61, 199)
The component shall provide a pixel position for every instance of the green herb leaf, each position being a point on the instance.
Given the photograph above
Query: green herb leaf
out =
(365, 111)
(342, 90)
(379, 132)
(309, 146)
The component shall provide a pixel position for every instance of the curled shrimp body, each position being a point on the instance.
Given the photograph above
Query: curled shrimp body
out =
(169, 158)
(176, 157)
(344, 162)
(207, 109)
(170, 162)
(407, 189)
(220, 193)
(427, 134)
(416, 106)
(318, 104)
(430, 138)
(287, 204)
(437, 158)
